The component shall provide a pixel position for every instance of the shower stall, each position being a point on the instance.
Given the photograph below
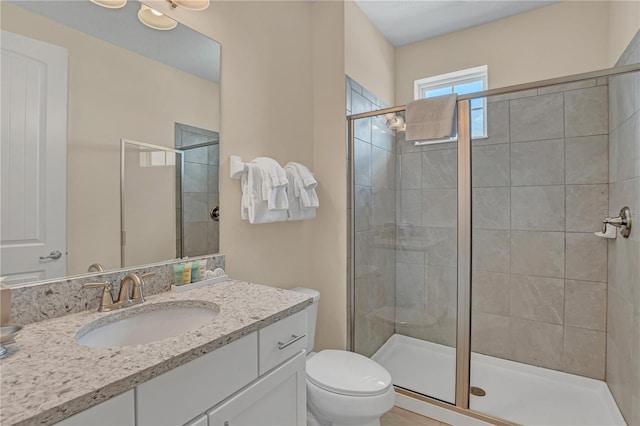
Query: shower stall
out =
(475, 276)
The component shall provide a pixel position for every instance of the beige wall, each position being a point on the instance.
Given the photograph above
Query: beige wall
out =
(329, 161)
(563, 39)
(273, 106)
(141, 109)
(369, 57)
(624, 23)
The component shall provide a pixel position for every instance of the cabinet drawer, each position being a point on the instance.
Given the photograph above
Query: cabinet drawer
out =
(189, 390)
(118, 410)
(282, 340)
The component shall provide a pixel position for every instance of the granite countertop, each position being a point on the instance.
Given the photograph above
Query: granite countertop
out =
(47, 376)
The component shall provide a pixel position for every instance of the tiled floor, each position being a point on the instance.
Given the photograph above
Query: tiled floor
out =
(400, 417)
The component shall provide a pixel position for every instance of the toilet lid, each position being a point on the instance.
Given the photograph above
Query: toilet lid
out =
(347, 373)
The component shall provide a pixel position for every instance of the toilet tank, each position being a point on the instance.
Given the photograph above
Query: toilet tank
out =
(312, 314)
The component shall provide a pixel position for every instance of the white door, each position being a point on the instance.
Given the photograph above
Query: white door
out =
(33, 160)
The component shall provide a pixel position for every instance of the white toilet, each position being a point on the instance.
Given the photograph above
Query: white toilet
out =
(344, 388)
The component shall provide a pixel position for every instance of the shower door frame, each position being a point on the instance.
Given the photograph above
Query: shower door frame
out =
(464, 222)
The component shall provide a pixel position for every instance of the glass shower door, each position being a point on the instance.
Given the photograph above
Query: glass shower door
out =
(405, 256)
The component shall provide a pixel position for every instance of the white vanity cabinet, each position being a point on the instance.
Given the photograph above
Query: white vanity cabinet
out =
(179, 395)
(277, 399)
(119, 410)
(259, 379)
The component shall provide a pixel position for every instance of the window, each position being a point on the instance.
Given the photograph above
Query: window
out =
(462, 82)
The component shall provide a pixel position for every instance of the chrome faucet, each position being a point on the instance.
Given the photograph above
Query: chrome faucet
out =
(124, 300)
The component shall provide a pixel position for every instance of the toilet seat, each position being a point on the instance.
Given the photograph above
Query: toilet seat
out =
(347, 373)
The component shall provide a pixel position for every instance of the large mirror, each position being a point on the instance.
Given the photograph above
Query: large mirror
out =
(110, 141)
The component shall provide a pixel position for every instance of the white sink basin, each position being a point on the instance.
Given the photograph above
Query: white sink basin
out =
(146, 324)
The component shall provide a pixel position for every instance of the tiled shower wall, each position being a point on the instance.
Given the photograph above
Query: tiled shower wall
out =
(540, 190)
(426, 241)
(623, 313)
(375, 194)
(201, 193)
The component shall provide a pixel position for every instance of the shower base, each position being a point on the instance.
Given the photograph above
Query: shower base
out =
(515, 392)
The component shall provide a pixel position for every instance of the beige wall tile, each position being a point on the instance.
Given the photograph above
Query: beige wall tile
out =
(586, 257)
(538, 208)
(490, 208)
(537, 118)
(491, 250)
(440, 168)
(537, 298)
(410, 170)
(587, 160)
(363, 207)
(490, 334)
(586, 205)
(537, 253)
(439, 207)
(585, 305)
(537, 163)
(410, 244)
(490, 165)
(586, 111)
(584, 352)
(536, 343)
(409, 207)
(497, 122)
(490, 292)
(384, 207)
(441, 246)
(362, 159)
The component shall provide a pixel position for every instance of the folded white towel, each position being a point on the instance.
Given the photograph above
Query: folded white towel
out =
(274, 183)
(254, 208)
(275, 170)
(304, 188)
(296, 210)
(431, 118)
(307, 177)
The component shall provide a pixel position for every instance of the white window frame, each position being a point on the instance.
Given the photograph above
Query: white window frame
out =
(454, 78)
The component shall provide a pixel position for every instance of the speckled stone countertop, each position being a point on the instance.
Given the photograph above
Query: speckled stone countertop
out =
(47, 376)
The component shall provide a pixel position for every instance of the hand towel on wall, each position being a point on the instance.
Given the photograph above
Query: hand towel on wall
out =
(274, 183)
(303, 199)
(305, 184)
(431, 118)
(254, 207)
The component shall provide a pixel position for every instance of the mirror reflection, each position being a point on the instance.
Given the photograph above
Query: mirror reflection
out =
(77, 80)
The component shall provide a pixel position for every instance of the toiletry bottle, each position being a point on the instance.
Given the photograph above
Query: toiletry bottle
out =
(178, 274)
(187, 272)
(202, 268)
(194, 272)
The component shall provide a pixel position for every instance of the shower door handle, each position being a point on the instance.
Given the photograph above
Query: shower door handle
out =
(215, 214)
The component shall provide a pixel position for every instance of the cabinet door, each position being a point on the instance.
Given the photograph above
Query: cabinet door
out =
(276, 399)
(185, 392)
(117, 411)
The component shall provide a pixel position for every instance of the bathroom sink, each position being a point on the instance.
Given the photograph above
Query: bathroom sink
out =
(147, 323)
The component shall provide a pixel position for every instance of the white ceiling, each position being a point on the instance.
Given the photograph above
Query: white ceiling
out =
(407, 21)
(181, 48)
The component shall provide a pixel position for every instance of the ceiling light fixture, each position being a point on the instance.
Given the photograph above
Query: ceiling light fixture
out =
(110, 4)
(154, 19)
(190, 4)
